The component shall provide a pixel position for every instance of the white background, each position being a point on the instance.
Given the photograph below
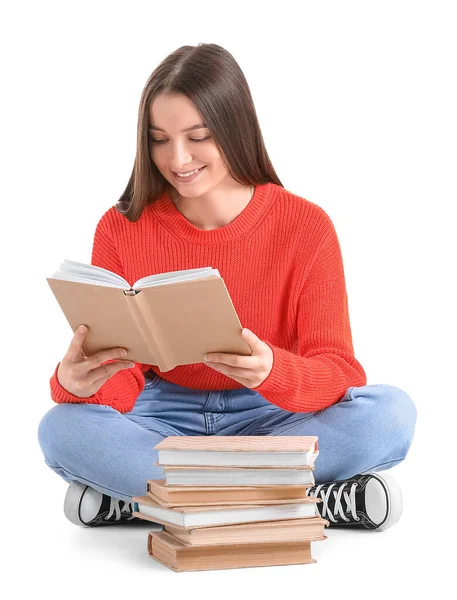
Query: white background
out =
(356, 102)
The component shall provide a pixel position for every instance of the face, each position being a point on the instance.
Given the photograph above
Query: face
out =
(176, 150)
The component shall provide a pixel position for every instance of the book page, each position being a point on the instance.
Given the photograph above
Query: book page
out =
(71, 270)
(175, 276)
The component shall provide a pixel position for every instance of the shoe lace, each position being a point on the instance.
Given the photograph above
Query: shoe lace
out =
(339, 510)
(115, 508)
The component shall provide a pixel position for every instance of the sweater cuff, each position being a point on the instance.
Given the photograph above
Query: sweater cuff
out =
(296, 384)
(275, 380)
(120, 397)
(60, 395)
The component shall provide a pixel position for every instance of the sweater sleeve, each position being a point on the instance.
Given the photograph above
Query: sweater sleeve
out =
(121, 390)
(319, 374)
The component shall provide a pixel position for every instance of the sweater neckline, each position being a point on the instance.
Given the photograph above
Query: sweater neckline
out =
(176, 222)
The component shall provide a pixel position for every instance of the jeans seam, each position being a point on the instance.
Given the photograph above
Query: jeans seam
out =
(291, 425)
(385, 463)
(92, 483)
(152, 384)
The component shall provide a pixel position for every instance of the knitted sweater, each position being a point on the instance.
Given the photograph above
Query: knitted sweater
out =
(281, 262)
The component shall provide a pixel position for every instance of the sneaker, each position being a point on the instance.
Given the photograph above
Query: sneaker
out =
(85, 506)
(371, 501)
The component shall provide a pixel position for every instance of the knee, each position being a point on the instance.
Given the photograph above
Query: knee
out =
(50, 428)
(394, 413)
(64, 425)
(401, 412)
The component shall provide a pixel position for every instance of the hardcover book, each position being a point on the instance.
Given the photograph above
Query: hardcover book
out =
(243, 451)
(202, 516)
(233, 476)
(170, 496)
(179, 557)
(294, 530)
(167, 319)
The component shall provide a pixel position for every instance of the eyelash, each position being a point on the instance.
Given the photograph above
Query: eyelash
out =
(153, 141)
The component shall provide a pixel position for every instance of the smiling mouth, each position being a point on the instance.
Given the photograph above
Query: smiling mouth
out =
(188, 172)
(190, 177)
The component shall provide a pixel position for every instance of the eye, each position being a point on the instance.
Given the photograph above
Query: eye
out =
(154, 141)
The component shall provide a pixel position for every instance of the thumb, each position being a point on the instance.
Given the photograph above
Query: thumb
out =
(75, 350)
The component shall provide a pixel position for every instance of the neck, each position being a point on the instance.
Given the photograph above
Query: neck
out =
(215, 209)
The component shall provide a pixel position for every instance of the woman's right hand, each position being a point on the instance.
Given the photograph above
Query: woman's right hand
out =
(83, 375)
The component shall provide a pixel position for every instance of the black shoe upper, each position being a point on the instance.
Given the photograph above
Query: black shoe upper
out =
(343, 513)
(112, 511)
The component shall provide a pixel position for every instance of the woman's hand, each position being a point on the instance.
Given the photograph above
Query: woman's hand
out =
(250, 371)
(83, 375)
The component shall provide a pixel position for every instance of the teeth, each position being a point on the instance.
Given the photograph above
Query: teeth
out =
(187, 174)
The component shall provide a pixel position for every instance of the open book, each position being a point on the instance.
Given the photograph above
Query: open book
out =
(168, 319)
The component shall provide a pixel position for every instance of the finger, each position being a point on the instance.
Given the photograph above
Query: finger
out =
(234, 360)
(246, 381)
(104, 372)
(105, 355)
(75, 349)
(231, 371)
(251, 338)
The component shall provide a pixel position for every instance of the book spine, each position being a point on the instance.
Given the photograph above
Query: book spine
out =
(146, 328)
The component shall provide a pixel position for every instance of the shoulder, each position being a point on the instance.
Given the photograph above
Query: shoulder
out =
(110, 221)
(305, 213)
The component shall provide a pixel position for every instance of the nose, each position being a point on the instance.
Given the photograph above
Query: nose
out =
(180, 156)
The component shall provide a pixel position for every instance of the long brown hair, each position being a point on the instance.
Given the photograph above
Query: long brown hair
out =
(212, 79)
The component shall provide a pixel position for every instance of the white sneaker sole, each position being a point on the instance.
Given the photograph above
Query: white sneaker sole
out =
(395, 499)
(72, 502)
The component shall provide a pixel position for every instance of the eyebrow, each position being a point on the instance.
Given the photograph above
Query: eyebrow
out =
(198, 126)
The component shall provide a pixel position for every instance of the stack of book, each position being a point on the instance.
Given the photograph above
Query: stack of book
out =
(233, 501)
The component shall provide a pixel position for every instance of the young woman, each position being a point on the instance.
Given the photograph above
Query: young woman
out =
(203, 192)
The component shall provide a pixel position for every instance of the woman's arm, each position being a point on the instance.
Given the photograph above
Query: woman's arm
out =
(319, 374)
(122, 389)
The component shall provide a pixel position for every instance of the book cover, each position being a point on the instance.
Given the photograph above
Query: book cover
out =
(310, 529)
(243, 468)
(173, 322)
(175, 555)
(255, 451)
(171, 496)
(200, 516)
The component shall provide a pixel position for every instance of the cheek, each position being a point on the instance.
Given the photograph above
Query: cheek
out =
(213, 159)
(153, 152)
(157, 157)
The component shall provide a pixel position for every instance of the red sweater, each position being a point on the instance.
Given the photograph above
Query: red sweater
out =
(282, 265)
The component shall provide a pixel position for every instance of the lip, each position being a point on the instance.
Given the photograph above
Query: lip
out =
(188, 179)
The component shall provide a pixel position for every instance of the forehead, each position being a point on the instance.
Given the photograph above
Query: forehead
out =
(173, 112)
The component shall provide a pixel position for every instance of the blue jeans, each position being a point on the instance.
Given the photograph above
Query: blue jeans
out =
(370, 429)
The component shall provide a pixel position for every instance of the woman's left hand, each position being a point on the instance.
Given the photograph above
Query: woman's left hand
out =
(251, 370)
